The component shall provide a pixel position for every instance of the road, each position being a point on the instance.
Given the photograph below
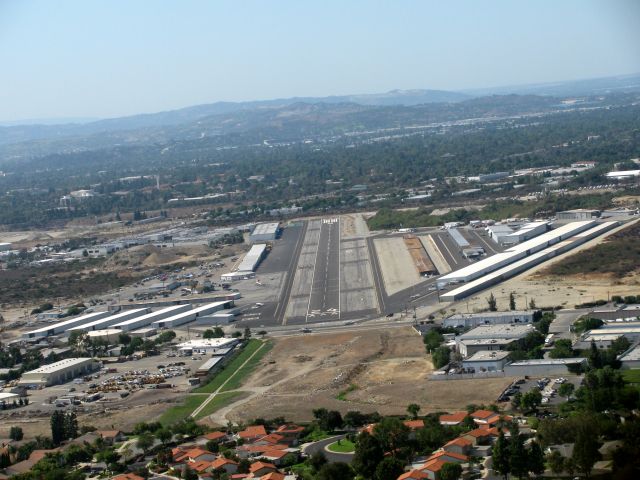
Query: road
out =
(332, 457)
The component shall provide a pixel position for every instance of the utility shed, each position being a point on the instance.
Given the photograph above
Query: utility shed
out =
(264, 232)
(59, 372)
(62, 327)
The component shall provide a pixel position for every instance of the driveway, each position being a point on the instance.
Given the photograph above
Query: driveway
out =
(320, 446)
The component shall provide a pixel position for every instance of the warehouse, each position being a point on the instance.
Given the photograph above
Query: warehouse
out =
(5, 247)
(520, 258)
(62, 327)
(218, 318)
(253, 258)
(472, 320)
(111, 335)
(544, 367)
(526, 232)
(236, 276)
(59, 372)
(486, 361)
(458, 238)
(149, 318)
(190, 315)
(607, 334)
(108, 321)
(264, 232)
(499, 232)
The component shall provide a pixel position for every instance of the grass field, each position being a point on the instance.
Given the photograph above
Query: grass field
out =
(631, 376)
(182, 411)
(231, 368)
(343, 446)
(219, 401)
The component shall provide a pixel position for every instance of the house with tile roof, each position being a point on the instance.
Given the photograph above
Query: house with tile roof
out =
(485, 417)
(127, 476)
(252, 432)
(259, 469)
(460, 445)
(451, 419)
(414, 475)
(215, 436)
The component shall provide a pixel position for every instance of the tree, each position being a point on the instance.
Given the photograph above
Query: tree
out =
(164, 435)
(57, 427)
(247, 333)
(368, 454)
(532, 304)
(413, 409)
(493, 304)
(15, 433)
(441, 356)
(335, 471)
(432, 340)
(450, 471)
(585, 449)
(562, 349)
(389, 468)
(70, 425)
(512, 301)
(215, 333)
(566, 389)
(531, 400)
(518, 463)
(317, 461)
(145, 442)
(555, 461)
(501, 463)
(393, 436)
(188, 473)
(535, 458)
(354, 419)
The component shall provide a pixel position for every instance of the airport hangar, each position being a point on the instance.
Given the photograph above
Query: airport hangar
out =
(517, 259)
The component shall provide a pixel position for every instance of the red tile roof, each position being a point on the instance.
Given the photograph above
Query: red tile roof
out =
(414, 424)
(127, 476)
(256, 466)
(253, 431)
(215, 435)
(457, 456)
(456, 417)
(274, 453)
(483, 414)
(290, 429)
(273, 476)
(434, 465)
(460, 442)
(413, 475)
(221, 462)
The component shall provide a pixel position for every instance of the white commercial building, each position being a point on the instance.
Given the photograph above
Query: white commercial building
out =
(62, 327)
(486, 361)
(471, 320)
(237, 276)
(5, 247)
(108, 321)
(149, 318)
(543, 367)
(111, 335)
(472, 346)
(207, 346)
(510, 331)
(264, 232)
(623, 174)
(631, 358)
(499, 232)
(59, 372)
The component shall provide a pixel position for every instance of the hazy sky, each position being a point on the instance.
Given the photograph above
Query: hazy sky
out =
(90, 58)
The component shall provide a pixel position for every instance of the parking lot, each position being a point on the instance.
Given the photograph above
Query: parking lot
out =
(548, 387)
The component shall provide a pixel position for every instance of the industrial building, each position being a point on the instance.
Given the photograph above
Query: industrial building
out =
(190, 315)
(149, 318)
(108, 321)
(623, 174)
(608, 333)
(62, 327)
(620, 314)
(264, 232)
(111, 335)
(490, 338)
(524, 233)
(543, 367)
(472, 320)
(236, 276)
(578, 214)
(223, 317)
(5, 247)
(631, 358)
(458, 238)
(486, 361)
(499, 232)
(488, 177)
(213, 346)
(519, 258)
(253, 258)
(59, 372)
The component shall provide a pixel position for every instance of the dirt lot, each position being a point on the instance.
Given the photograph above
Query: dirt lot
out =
(353, 225)
(387, 367)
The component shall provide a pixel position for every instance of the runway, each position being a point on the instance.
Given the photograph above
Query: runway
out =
(324, 298)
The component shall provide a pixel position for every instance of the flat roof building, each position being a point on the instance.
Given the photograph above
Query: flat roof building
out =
(543, 366)
(190, 315)
(486, 361)
(59, 372)
(471, 320)
(149, 318)
(509, 331)
(206, 345)
(62, 327)
(578, 214)
(253, 258)
(473, 346)
(631, 358)
(264, 232)
(106, 322)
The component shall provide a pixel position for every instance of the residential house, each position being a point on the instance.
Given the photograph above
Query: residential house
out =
(460, 445)
(485, 417)
(259, 469)
(252, 432)
(413, 475)
(111, 436)
(127, 476)
(290, 433)
(453, 418)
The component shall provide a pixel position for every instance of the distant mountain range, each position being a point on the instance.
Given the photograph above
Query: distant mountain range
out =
(302, 115)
